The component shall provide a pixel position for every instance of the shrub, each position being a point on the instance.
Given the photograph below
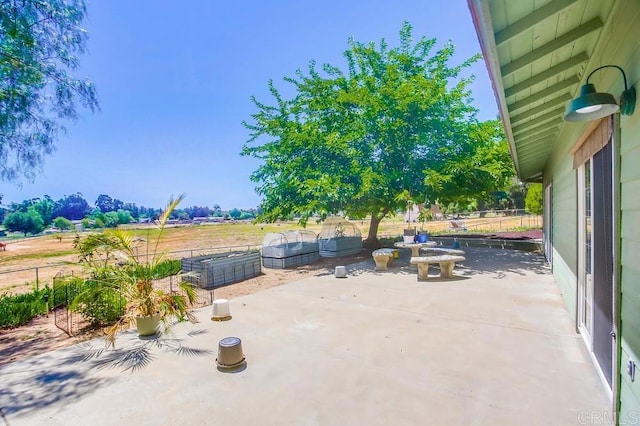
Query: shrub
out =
(63, 223)
(167, 268)
(533, 200)
(102, 307)
(19, 309)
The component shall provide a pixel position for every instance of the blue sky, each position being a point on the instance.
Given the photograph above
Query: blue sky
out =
(174, 81)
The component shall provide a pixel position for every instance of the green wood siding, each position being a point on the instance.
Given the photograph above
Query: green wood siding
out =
(629, 392)
(565, 221)
(566, 280)
(565, 229)
(629, 407)
(625, 51)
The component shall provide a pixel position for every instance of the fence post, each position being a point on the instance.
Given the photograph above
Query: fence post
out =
(37, 280)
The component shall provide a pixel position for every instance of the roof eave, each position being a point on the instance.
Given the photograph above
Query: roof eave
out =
(484, 30)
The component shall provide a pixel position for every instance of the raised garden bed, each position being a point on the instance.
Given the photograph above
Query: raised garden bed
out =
(290, 261)
(339, 237)
(340, 246)
(219, 269)
(289, 249)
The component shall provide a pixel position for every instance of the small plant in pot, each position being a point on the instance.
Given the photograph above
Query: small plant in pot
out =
(425, 215)
(116, 268)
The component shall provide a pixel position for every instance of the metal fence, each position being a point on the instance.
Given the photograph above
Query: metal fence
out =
(45, 274)
(64, 291)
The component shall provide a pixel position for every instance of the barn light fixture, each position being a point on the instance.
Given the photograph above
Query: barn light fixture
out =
(591, 105)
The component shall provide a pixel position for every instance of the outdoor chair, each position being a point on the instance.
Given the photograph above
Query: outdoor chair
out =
(457, 225)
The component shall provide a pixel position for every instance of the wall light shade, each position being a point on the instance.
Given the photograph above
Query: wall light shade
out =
(591, 105)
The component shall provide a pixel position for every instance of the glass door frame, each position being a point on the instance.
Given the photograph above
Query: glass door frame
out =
(585, 312)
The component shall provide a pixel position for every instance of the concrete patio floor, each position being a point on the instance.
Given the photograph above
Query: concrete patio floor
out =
(494, 346)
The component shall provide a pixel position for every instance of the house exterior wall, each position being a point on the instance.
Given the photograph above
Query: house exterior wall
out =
(620, 45)
(564, 222)
(630, 233)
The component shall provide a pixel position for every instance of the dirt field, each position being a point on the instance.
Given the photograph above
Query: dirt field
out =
(39, 259)
(41, 335)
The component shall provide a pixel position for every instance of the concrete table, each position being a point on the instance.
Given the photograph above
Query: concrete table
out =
(415, 247)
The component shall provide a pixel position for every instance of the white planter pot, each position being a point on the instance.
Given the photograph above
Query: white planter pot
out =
(148, 326)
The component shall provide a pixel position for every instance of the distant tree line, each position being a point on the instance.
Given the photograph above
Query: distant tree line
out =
(33, 216)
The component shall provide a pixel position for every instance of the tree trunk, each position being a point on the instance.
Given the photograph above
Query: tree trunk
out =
(482, 208)
(372, 241)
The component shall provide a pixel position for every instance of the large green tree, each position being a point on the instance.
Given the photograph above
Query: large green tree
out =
(363, 142)
(73, 207)
(44, 207)
(479, 167)
(40, 41)
(28, 223)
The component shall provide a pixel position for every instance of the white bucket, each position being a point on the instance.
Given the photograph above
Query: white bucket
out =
(230, 353)
(340, 272)
(221, 309)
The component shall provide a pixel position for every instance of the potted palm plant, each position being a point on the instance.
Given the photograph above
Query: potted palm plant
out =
(115, 268)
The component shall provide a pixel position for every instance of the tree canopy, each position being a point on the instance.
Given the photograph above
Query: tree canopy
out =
(39, 46)
(533, 200)
(28, 222)
(73, 207)
(397, 126)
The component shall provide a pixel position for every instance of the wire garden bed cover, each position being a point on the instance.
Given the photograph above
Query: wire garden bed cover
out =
(338, 237)
(289, 249)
